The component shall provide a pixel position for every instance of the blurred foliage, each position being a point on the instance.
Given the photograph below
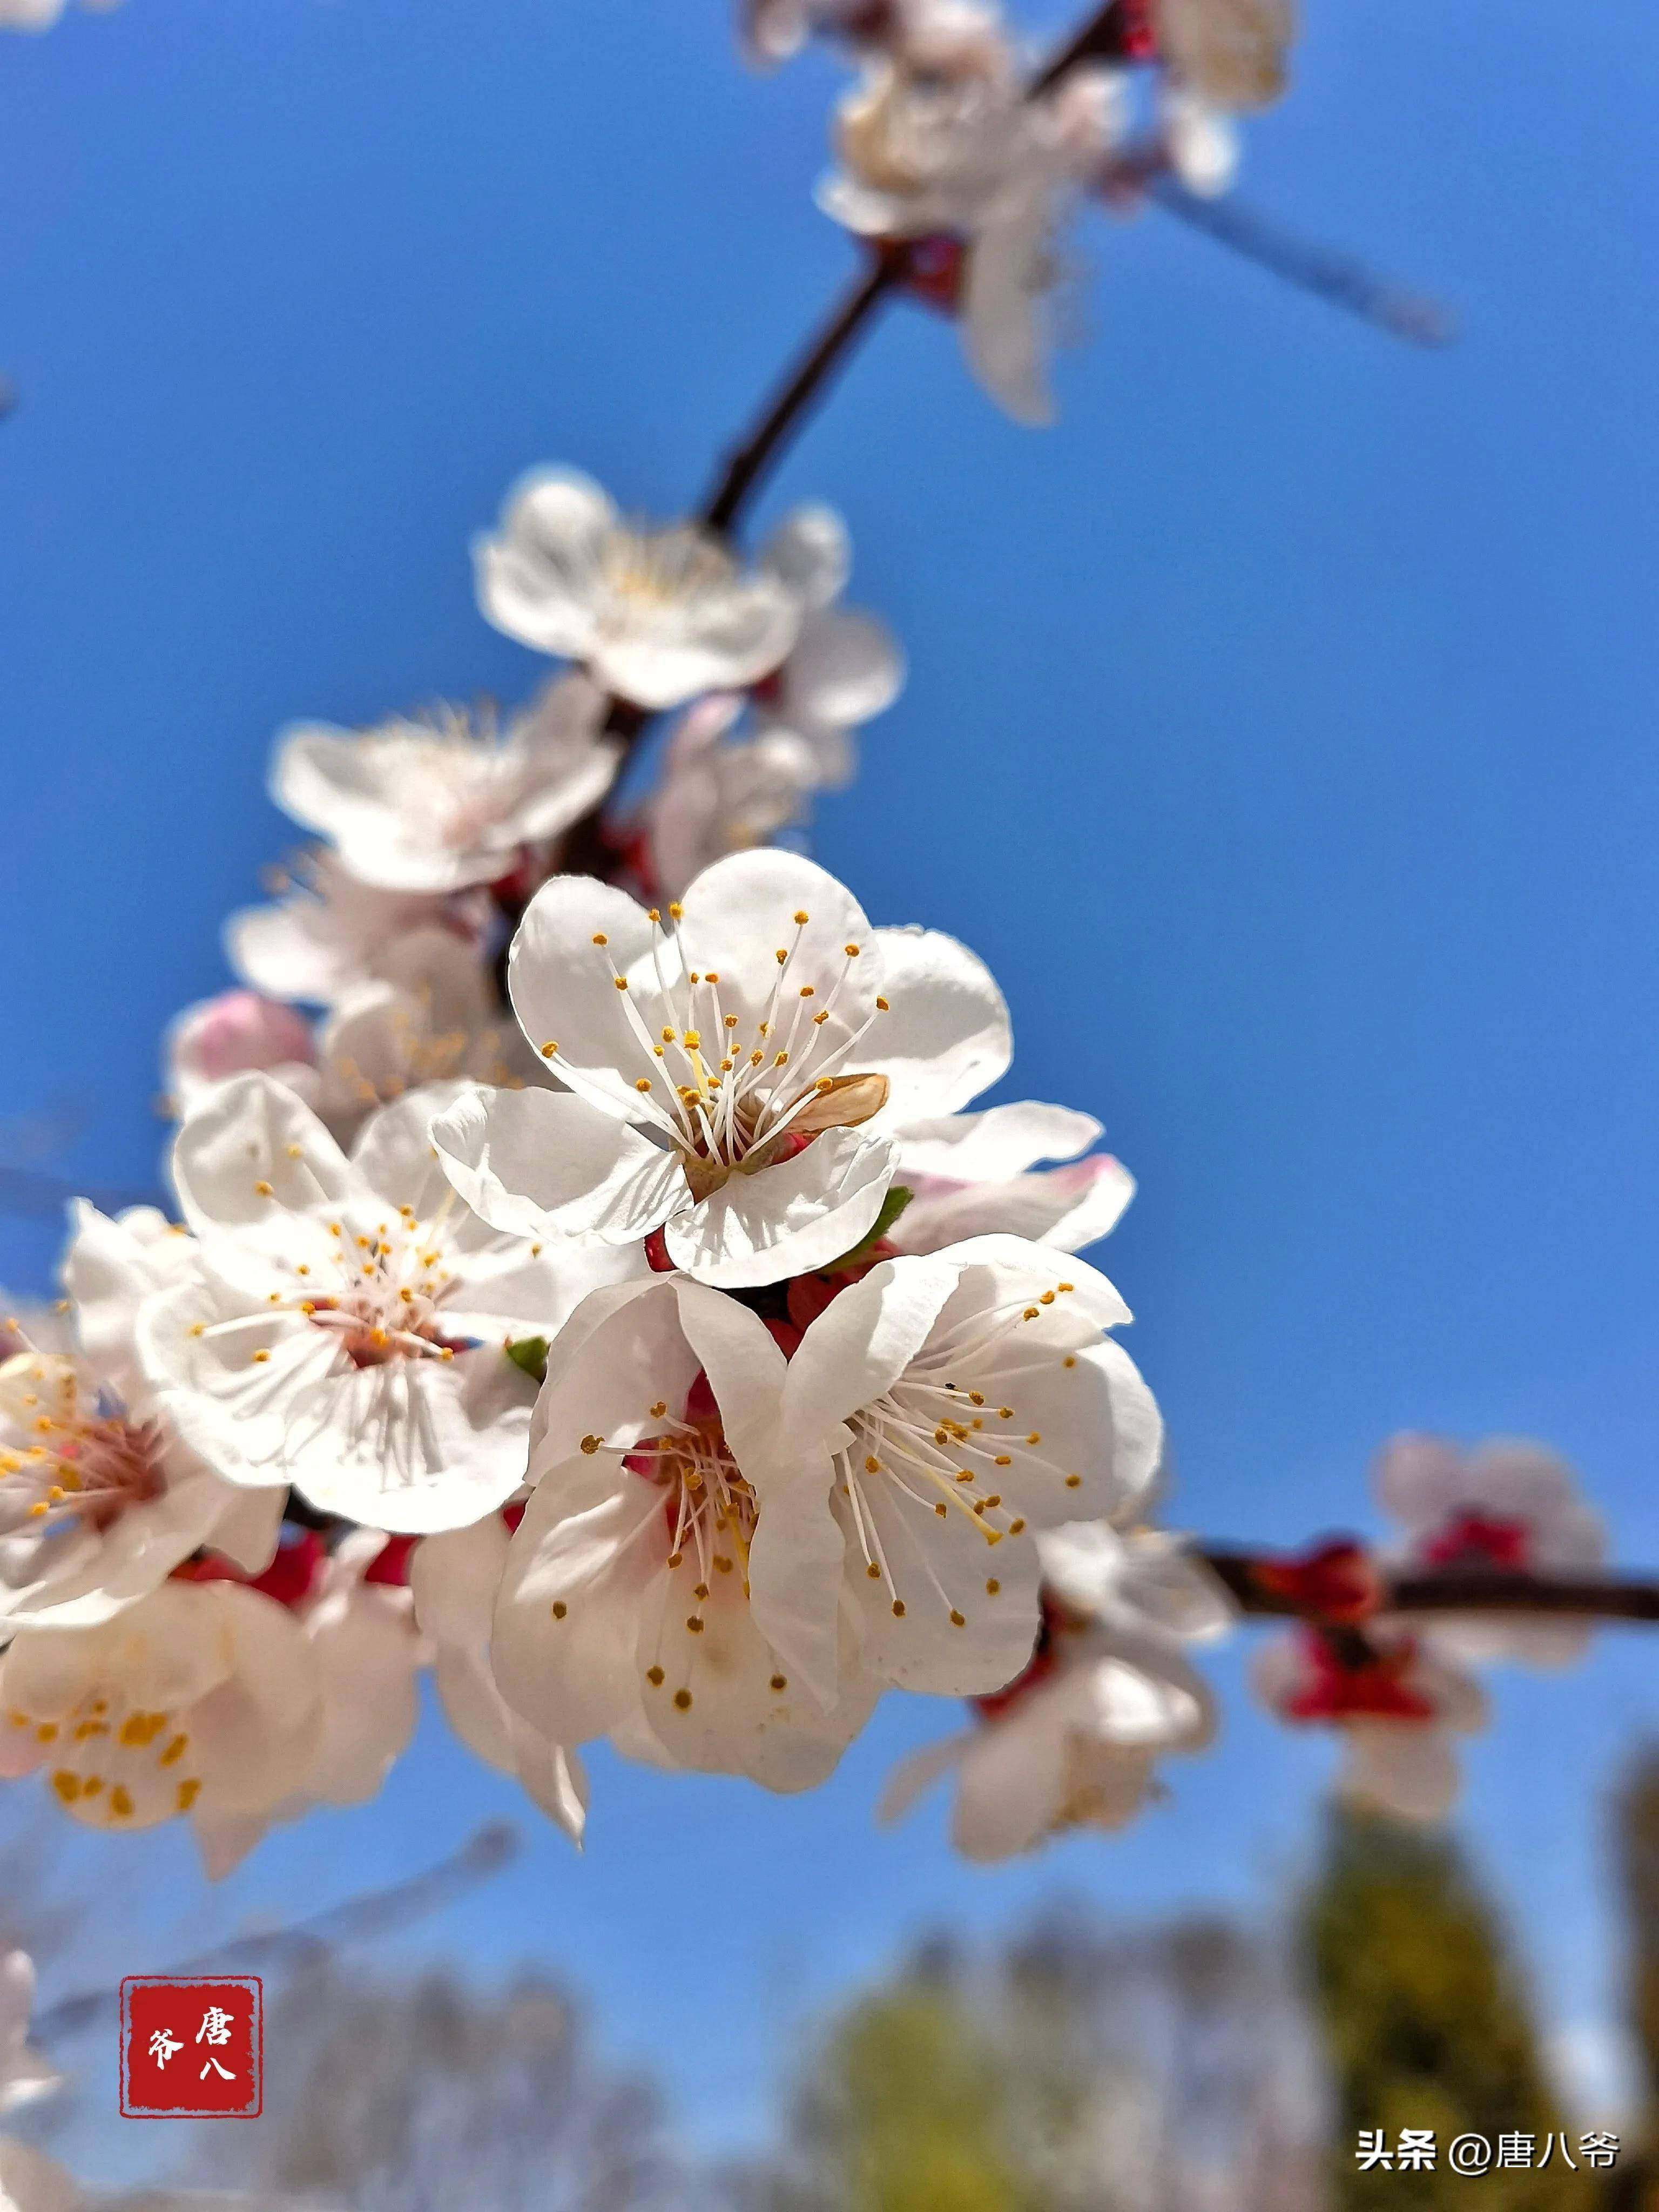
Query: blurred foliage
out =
(1425, 2024)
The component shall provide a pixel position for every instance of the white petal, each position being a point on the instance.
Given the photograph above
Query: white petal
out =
(1013, 1784)
(535, 579)
(1068, 1208)
(563, 991)
(788, 1219)
(845, 669)
(546, 1164)
(947, 1035)
(810, 551)
(999, 1142)
(1403, 1767)
(250, 1158)
(917, 1772)
(1003, 307)
(862, 1342)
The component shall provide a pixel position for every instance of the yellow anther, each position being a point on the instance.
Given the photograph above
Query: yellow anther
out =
(262, 1190)
(560, 1608)
(188, 1793)
(67, 1785)
(621, 983)
(1074, 1482)
(700, 1592)
(550, 1047)
(682, 1700)
(654, 914)
(46, 1732)
(780, 1060)
(692, 1039)
(992, 1587)
(660, 1409)
(801, 915)
(175, 1750)
(780, 1681)
(641, 1082)
(819, 1020)
(599, 938)
(898, 1608)
(694, 1624)
(1035, 1436)
(872, 1466)
(653, 1675)
(1031, 1312)
(1047, 1299)
(1016, 1527)
(782, 956)
(260, 1357)
(957, 1619)
(676, 911)
(120, 1803)
(591, 1444)
(873, 1572)
(851, 950)
(1068, 1361)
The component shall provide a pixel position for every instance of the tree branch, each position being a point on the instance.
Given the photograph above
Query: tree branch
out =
(1602, 1597)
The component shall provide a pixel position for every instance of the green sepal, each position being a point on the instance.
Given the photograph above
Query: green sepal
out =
(892, 1206)
(530, 1353)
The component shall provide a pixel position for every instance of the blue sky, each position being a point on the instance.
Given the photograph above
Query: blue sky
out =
(1279, 730)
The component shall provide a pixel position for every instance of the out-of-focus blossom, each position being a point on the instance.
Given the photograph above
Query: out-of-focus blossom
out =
(1398, 1709)
(973, 1175)
(41, 15)
(655, 614)
(438, 803)
(844, 668)
(951, 147)
(99, 1497)
(430, 1016)
(456, 1578)
(637, 1582)
(1074, 1740)
(229, 1035)
(1224, 58)
(1508, 1506)
(201, 1694)
(354, 1609)
(24, 2075)
(328, 932)
(721, 794)
(30, 2180)
(349, 1330)
(733, 1078)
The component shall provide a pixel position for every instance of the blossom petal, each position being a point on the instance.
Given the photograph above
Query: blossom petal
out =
(845, 669)
(1069, 1207)
(560, 980)
(534, 578)
(811, 552)
(999, 1142)
(788, 1219)
(546, 1164)
(862, 1342)
(947, 1035)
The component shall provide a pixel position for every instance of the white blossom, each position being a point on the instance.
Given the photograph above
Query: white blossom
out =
(719, 794)
(455, 1578)
(744, 1529)
(24, 2075)
(1399, 1710)
(1224, 58)
(436, 804)
(1074, 1740)
(732, 1076)
(368, 1655)
(973, 1175)
(30, 2180)
(430, 1016)
(348, 1332)
(100, 1498)
(1506, 1506)
(655, 614)
(41, 15)
(202, 1693)
(228, 1035)
(951, 147)
(627, 1595)
(328, 932)
(844, 667)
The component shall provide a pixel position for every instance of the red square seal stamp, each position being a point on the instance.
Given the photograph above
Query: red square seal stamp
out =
(192, 2047)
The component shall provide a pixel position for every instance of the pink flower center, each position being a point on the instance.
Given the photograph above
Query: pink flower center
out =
(1474, 1539)
(1373, 1687)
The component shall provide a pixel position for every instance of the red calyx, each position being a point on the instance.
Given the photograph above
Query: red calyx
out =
(390, 1562)
(1473, 1540)
(808, 1295)
(512, 1514)
(1044, 1658)
(933, 270)
(1371, 1688)
(656, 1254)
(289, 1579)
(1334, 1581)
(1138, 35)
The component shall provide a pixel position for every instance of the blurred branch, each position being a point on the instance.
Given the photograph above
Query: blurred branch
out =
(1339, 278)
(1606, 1597)
(357, 1920)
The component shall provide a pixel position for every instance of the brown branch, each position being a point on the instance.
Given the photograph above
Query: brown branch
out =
(1601, 1597)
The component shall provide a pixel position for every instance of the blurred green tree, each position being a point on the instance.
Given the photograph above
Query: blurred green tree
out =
(1425, 2024)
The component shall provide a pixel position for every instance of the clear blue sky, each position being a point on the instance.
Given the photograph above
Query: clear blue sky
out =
(1280, 729)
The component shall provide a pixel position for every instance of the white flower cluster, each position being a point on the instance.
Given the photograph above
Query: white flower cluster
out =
(1397, 1686)
(636, 1324)
(942, 146)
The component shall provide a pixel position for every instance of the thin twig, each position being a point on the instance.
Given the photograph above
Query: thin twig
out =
(1339, 278)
